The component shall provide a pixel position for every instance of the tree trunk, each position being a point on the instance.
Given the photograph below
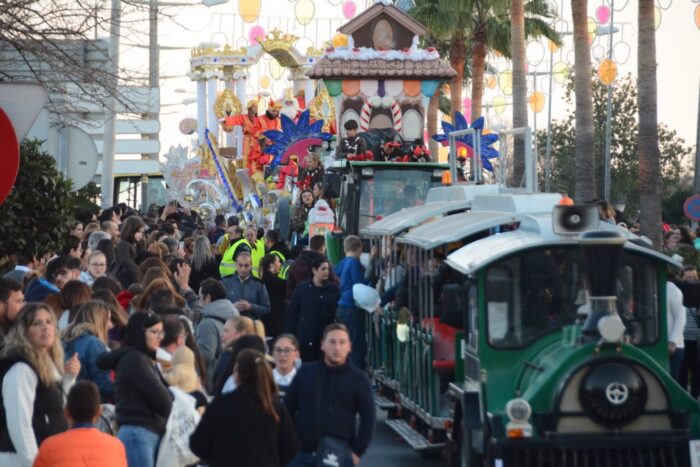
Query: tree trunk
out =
(583, 151)
(517, 26)
(433, 124)
(648, 139)
(478, 65)
(458, 55)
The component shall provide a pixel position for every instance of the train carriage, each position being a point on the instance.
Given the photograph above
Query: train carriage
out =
(529, 345)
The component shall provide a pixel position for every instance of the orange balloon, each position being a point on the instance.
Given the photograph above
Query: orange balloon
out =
(552, 46)
(536, 101)
(607, 71)
(697, 16)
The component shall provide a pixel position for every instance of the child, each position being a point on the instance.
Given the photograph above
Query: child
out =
(352, 145)
(182, 372)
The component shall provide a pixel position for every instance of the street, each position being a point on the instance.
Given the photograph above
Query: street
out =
(388, 449)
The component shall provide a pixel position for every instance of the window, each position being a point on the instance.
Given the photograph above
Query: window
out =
(392, 190)
(534, 293)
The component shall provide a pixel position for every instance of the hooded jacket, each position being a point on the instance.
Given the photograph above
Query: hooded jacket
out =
(208, 332)
(142, 397)
(38, 289)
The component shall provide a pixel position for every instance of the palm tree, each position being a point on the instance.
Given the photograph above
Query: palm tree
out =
(648, 138)
(486, 23)
(517, 29)
(583, 151)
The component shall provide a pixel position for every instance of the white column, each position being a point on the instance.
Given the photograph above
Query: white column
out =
(212, 90)
(240, 83)
(201, 108)
(309, 90)
(230, 136)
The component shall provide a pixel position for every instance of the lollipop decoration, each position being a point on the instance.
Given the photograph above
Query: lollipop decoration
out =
(220, 170)
(295, 138)
(466, 142)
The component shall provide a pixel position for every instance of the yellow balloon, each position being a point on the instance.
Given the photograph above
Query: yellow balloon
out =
(339, 40)
(592, 28)
(265, 82)
(657, 17)
(304, 11)
(607, 71)
(276, 70)
(536, 101)
(561, 72)
(249, 9)
(499, 104)
(506, 82)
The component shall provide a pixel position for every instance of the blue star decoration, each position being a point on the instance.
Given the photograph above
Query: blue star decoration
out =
(294, 138)
(466, 141)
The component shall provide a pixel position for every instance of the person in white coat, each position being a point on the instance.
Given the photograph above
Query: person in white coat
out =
(34, 380)
(675, 315)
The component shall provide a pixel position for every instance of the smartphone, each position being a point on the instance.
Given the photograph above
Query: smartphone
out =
(182, 245)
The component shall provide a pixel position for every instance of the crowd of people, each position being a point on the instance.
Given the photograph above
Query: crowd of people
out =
(97, 339)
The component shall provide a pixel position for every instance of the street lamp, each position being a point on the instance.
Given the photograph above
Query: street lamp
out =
(610, 30)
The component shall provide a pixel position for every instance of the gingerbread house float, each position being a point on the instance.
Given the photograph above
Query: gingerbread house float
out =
(377, 74)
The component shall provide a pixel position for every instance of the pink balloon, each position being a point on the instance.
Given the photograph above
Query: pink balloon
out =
(467, 103)
(256, 32)
(602, 14)
(349, 9)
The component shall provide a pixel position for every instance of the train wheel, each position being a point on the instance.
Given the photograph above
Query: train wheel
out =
(466, 457)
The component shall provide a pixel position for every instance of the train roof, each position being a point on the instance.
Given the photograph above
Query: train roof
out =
(488, 211)
(440, 201)
(535, 231)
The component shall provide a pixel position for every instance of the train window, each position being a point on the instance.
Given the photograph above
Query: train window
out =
(537, 292)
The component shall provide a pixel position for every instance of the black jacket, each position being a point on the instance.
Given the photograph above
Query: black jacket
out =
(234, 432)
(345, 392)
(300, 270)
(209, 269)
(276, 290)
(48, 417)
(141, 395)
(310, 310)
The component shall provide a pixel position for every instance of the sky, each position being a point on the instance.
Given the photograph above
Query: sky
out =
(678, 41)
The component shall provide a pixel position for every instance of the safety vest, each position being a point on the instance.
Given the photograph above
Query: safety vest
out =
(256, 256)
(285, 264)
(228, 262)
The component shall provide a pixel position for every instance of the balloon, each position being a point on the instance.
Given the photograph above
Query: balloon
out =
(607, 72)
(657, 17)
(467, 105)
(697, 16)
(304, 11)
(202, 191)
(265, 82)
(188, 126)
(536, 101)
(499, 104)
(276, 70)
(506, 82)
(561, 72)
(592, 28)
(349, 9)
(429, 87)
(602, 14)
(491, 82)
(552, 46)
(256, 33)
(334, 86)
(249, 9)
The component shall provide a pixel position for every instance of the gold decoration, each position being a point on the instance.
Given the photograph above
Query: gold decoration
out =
(317, 111)
(312, 52)
(227, 105)
(226, 51)
(339, 40)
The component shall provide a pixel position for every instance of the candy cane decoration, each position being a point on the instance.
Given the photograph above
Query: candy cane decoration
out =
(396, 115)
(365, 115)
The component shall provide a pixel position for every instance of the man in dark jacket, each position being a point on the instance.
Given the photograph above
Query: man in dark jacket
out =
(300, 270)
(247, 293)
(56, 276)
(325, 398)
(11, 301)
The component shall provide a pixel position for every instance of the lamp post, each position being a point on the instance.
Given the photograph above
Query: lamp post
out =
(608, 113)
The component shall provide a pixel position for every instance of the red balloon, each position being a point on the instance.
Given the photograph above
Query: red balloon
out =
(9, 155)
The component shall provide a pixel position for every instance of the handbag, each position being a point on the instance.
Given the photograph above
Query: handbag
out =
(174, 450)
(331, 451)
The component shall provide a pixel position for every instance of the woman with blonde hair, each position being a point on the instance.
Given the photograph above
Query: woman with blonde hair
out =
(250, 421)
(34, 379)
(87, 336)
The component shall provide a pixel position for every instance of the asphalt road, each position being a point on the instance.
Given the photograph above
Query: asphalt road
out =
(388, 449)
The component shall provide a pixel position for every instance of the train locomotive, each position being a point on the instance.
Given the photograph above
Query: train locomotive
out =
(530, 335)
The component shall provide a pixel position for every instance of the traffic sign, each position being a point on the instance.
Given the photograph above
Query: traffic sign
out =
(691, 208)
(9, 155)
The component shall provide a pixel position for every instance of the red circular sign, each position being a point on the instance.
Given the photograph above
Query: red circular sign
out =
(9, 155)
(691, 208)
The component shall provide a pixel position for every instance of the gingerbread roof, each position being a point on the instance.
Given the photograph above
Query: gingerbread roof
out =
(378, 8)
(381, 69)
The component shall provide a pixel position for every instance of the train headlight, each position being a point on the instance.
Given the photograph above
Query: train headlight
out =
(611, 328)
(518, 410)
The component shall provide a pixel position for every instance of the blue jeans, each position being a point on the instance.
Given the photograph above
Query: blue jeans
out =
(354, 319)
(141, 445)
(676, 359)
(303, 459)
